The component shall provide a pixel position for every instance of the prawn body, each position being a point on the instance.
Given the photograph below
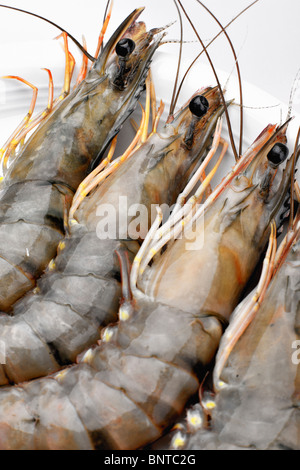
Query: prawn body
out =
(79, 294)
(39, 185)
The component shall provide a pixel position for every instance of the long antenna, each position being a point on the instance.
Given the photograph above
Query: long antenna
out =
(197, 57)
(173, 102)
(217, 79)
(83, 50)
(238, 73)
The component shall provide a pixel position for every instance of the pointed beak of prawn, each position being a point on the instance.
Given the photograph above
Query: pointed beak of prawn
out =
(129, 49)
(126, 25)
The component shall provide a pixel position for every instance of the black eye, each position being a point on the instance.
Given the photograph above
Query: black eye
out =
(199, 106)
(125, 47)
(278, 154)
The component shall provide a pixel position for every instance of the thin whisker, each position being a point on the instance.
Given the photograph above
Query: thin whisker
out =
(217, 80)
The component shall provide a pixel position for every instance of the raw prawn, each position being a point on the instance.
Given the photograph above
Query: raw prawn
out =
(256, 377)
(40, 183)
(81, 290)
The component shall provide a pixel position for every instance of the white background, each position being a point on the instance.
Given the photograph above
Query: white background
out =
(266, 38)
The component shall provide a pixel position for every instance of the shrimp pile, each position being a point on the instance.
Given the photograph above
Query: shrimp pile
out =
(120, 332)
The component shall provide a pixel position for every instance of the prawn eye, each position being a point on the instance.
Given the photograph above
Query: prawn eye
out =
(199, 106)
(125, 47)
(278, 154)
